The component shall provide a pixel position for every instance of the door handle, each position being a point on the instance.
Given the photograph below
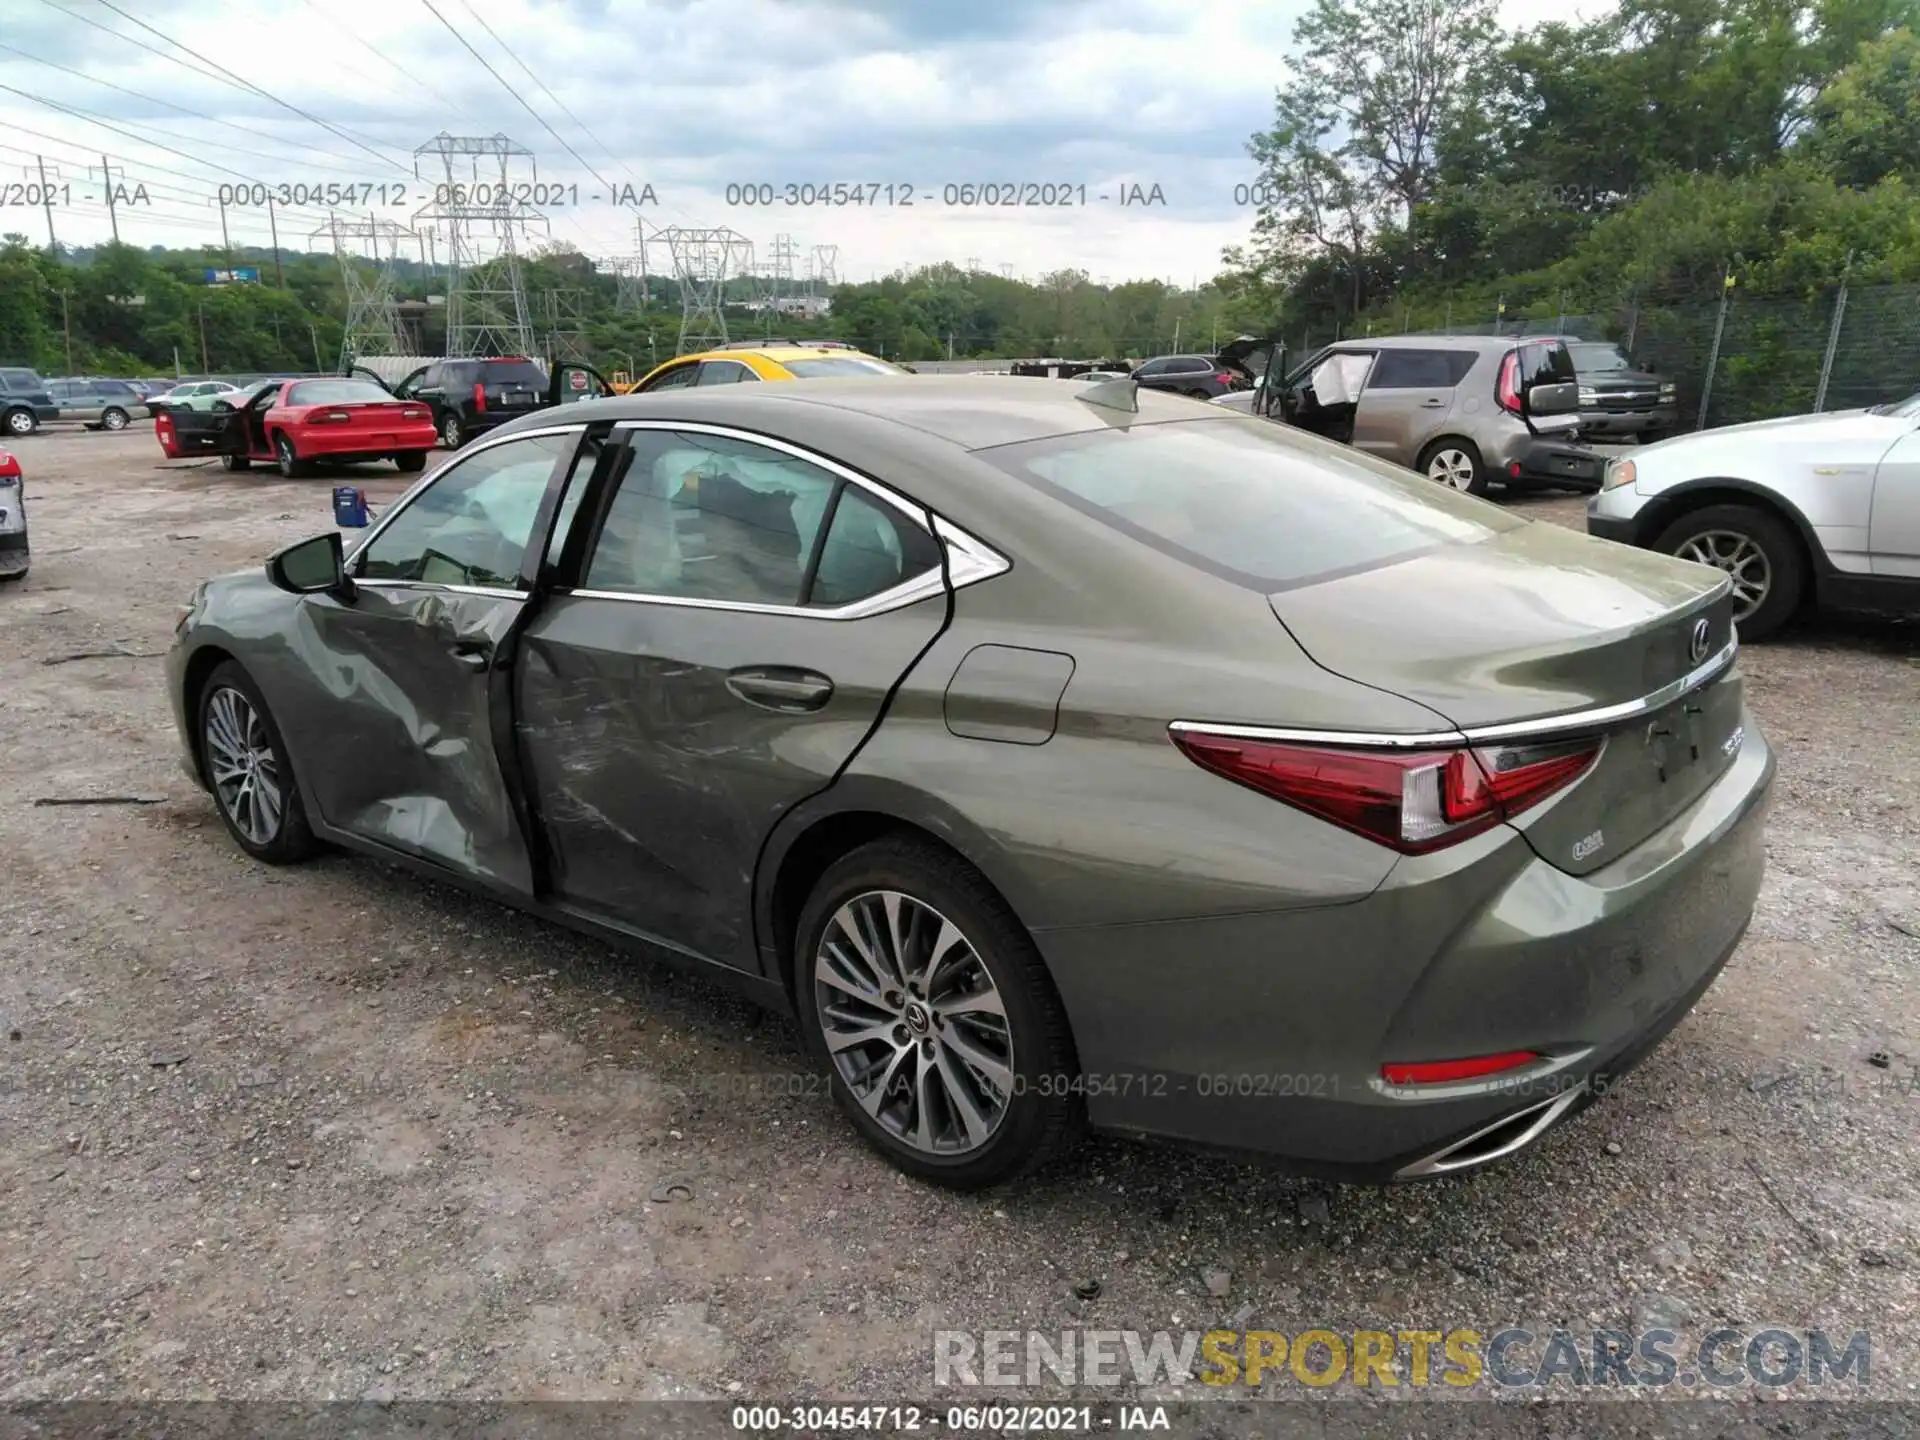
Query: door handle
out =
(781, 688)
(474, 657)
(1432, 402)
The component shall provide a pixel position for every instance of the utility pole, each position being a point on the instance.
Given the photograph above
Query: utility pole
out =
(314, 335)
(226, 244)
(46, 199)
(206, 366)
(279, 272)
(66, 320)
(106, 175)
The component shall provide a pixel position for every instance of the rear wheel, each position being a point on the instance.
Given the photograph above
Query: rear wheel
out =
(21, 422)
(291, 465)
(1455, 463)
(1756, 550)
(451, 433)
(246, 764)
(113, 418)
(235, 462)
(947, 1046)
(410, 460)
(1199, 394)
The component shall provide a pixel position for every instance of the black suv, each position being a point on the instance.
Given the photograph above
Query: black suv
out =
(24, 401)
(470, 397)
(1204, 377)
(1618, 396)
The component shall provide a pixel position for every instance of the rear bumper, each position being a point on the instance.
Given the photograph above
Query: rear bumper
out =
(1553, 462)
(417, 435)
(1267, 1032)
(14, 556)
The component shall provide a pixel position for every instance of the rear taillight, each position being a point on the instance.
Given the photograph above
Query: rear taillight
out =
(1410, 800)
(1506, 389)
(1442, 1072)
(330, 417)
(410, 413)
(1223, 378)
(479, 396)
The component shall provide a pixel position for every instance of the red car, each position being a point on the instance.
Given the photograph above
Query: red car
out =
(293, 423)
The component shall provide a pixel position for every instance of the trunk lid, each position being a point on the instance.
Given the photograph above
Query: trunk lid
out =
(1538, 622)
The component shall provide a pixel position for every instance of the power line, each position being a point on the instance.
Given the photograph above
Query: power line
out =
(386, 60)
(242, 83)
(517, 98)
(528, 70)
(92, 119)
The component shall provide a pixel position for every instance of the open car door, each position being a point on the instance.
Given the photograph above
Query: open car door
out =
(361, 372)
(574, 381)
(184, 433)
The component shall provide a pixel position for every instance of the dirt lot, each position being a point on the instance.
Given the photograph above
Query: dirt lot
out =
(335, 1132)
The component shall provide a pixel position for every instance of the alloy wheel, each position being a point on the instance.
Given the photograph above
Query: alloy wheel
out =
(1452, 467)
(283, 451)
(914, 1023)
(240, 761)
(1743, 560)
(114, 420)
(20, 422)
(450, 432)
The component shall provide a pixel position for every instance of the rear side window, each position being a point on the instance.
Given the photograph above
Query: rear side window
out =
(1254, 503)
(869, 547)
(1420, 369)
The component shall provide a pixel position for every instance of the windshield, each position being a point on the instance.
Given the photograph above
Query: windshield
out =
(1249, 501)
(1907, 409)
(1594, 359)
(336, 392)
(840, 367)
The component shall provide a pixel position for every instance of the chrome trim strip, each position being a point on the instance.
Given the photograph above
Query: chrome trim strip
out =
(466, 452)
(921, 587)
(1372, 739)
(1546, 1113)
(496, 592)
(1547, 725)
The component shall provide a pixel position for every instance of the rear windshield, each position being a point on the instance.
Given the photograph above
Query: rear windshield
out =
(1249, 501)
(1593, 359)
(510, 372)
(840, 367)
(336, 392)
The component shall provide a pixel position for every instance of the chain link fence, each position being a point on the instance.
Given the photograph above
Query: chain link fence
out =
(1735, 356)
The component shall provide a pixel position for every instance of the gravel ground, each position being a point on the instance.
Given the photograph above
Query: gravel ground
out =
(336, 1132)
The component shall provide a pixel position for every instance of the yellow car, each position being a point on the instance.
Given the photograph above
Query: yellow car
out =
(763, 360)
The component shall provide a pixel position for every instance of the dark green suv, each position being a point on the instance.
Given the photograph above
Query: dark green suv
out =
(24, 400)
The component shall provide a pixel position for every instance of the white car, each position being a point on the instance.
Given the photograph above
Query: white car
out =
(1821, 509)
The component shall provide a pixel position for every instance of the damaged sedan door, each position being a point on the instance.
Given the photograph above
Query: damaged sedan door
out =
(729, 621)
(404, 743)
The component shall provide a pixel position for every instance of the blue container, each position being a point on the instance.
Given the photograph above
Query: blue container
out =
(349, 505)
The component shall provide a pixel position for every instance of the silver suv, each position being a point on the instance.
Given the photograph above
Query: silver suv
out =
(1453, 407)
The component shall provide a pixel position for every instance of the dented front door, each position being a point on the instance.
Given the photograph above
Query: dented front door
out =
(404, 740)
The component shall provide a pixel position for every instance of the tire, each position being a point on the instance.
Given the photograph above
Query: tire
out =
(235, 462)
(291, 465)
(1758, 549)
(1455, 463)
(410, 461)
(1031, 1115)
(233, 722)
(452, 434)
(1199, 395)
(113, 418)
(21, 422)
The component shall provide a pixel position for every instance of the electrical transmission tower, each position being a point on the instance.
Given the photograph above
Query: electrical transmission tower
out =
(472, 180)
(703, 261)
(563, 321)
(373, 312)
(822, 269)
(779, 278)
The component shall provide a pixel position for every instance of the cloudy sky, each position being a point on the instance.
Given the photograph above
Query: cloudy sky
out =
(687, 96)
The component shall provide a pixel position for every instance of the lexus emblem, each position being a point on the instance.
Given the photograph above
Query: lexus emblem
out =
(1702, 634)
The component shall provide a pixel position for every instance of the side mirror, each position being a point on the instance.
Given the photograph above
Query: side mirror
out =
(1561, 399)
(312, 567)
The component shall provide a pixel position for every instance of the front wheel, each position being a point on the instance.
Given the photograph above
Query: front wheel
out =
(947, 1046)
(1758, 553)
(1455, 463)
(22, 422)
(235, 462)
(245, 762)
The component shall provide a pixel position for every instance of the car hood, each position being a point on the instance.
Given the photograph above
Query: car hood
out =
(1841, 435)
(1538, 620)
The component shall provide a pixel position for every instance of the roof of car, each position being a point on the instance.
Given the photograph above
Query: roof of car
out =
(1455, 342)
(971, 411)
